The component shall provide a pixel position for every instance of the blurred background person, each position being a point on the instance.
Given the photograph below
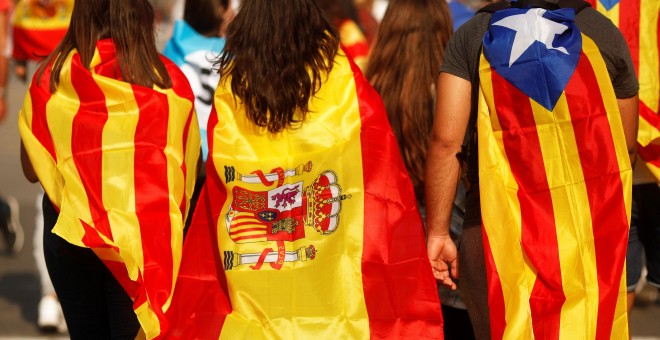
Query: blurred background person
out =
(196, 41)
(37, 27)
(403, 67)
(11, 229)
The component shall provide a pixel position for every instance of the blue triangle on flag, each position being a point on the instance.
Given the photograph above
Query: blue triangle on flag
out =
(608, 4)
(546, 63)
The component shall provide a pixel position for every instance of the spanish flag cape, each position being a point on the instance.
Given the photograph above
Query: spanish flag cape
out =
(39, 26)
(555, 181)
(639, 21)
(311, 233)
(119, 163)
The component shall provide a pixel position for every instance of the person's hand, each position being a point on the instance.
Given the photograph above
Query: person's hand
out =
(444, 259)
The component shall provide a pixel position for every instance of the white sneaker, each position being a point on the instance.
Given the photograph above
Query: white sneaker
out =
(51, 319)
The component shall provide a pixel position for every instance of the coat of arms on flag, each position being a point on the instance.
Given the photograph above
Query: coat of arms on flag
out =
(281, 214)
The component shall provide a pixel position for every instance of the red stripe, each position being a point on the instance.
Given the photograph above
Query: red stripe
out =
(629, 11)
(32, 44)
(250, 237)
(648, 114)
(604, 188)
(400, 293)
(40, 95)
(650, 154)
(152, 195)
(593, 3)
(496, 305)
(87, 142)
(539, 234)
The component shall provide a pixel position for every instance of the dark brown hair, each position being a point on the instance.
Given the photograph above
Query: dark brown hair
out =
(276, 53)
(130, 24)
(205, 16)
(403, 67)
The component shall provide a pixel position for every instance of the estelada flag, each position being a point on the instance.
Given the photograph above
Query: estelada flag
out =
(555, 181)
(118, 161)
(195, 54)
(38, 26)
(312, 232)
(639, 21)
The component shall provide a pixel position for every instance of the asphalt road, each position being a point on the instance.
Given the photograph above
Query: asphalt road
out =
(19, 280)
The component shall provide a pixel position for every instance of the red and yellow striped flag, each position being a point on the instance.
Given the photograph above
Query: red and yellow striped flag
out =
(555, 182)
(119, 162)
(314, 232)
(639, 21)
(39, 26)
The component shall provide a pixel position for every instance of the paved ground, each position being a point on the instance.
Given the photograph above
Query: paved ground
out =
(19, 282)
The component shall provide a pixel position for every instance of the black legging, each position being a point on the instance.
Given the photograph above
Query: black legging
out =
(95, 306)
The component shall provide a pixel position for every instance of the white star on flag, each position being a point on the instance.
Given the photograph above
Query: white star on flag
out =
(531, 27)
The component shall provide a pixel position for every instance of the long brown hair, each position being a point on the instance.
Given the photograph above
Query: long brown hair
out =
(403, 67)
(205, 16)
(130, 24)
(276, 52)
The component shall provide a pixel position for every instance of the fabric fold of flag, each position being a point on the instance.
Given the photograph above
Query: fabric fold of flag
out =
(310, 233)
(38, 27)
(555, 181)
(119, 162)
(639, 21)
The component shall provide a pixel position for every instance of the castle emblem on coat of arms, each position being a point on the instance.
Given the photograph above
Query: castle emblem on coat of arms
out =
(281, 214)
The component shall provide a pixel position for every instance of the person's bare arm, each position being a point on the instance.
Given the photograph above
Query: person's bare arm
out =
(443, 171)
(629, 108)
(28, 170)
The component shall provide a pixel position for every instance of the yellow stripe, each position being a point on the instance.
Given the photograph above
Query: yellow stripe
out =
(620, 326)
(41, 160)
(180, 186)
(118, 158)
(260, 309)
(647, 132)
(61, 110)
(649, 69)
(497, 184)
(573, 220)
(612, 14)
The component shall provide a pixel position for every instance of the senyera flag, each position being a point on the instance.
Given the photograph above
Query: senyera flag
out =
(310, 233)
(38, 26)
(555, 181)
(119, 163)
(639, 21)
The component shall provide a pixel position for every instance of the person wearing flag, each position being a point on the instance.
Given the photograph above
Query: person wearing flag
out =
(108, 129)
(307, 226)
(539, 98)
